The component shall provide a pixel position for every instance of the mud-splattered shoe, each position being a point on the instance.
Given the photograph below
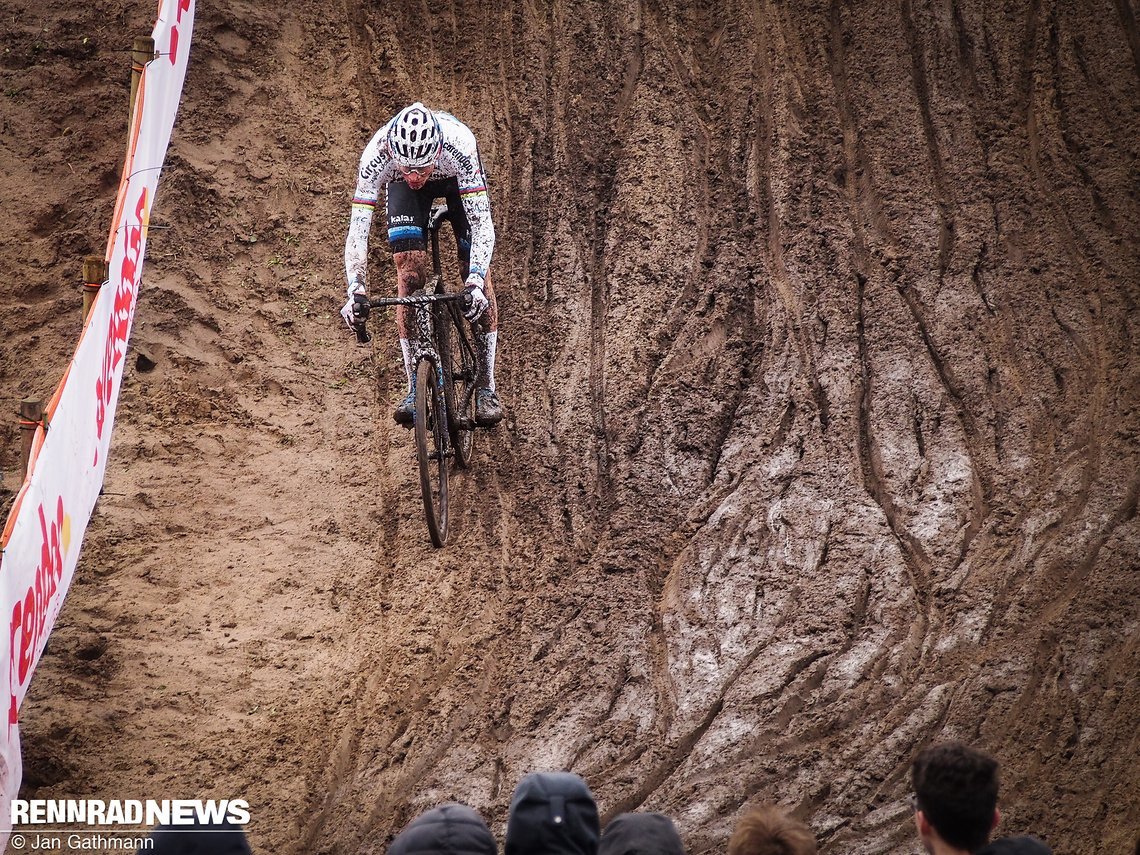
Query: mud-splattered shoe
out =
(406, 410)
(488, 410)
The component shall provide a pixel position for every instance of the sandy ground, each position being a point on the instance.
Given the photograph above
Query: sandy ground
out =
(819, 354)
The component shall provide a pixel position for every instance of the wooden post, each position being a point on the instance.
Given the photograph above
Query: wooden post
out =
(31, 415)
(141, 53)
(94, 275)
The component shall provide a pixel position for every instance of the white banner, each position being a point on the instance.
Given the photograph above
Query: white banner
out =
(41, 540)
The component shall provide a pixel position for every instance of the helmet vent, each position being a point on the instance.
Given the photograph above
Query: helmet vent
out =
(414, 137)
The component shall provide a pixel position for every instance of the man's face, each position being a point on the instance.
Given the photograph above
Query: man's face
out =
(417, 177)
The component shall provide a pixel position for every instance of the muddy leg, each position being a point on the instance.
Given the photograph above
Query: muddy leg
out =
(411, 273)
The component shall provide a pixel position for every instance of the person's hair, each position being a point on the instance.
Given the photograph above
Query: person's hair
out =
(956, 788)
(768, 830)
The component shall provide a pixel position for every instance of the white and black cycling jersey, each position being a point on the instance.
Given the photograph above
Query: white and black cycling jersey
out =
(458, 158)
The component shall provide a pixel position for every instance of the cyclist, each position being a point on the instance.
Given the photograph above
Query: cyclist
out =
(417, 156)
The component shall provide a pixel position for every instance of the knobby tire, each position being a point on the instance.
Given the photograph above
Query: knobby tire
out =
(461, 377)
(431, 425)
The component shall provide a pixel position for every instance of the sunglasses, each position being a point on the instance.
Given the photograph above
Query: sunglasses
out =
(422, 171)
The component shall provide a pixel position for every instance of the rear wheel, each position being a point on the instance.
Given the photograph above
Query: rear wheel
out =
(431, 448)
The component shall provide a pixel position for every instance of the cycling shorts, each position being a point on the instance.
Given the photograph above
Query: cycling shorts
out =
(408, 212)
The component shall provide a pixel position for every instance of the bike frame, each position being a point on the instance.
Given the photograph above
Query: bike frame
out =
(428, 310)
(450, 421)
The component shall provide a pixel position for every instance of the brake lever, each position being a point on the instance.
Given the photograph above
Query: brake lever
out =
(361, 309)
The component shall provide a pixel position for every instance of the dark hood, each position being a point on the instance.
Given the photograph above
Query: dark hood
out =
(1015, 846)
(207, 839)
(552, 813)
(450, 829)
(641, 834)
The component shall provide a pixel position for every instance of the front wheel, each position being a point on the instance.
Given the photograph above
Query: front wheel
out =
(431, 448)
(461, 405)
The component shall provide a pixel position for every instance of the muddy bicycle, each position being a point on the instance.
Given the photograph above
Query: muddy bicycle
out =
(446, 365)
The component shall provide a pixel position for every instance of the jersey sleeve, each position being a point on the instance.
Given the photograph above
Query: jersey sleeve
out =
(373, 163)
(476, 201)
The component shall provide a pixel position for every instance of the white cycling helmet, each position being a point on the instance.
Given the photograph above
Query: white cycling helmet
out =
(415, 136)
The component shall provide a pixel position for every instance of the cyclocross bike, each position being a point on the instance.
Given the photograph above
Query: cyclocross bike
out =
(446, 365)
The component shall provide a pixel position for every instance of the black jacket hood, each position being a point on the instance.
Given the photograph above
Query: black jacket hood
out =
(1015, 846)
(641, 834)
(450, 829)
(552, 813)
(202, 839)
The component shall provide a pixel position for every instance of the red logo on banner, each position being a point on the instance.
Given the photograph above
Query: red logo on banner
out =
(29, 616)
(120, 322)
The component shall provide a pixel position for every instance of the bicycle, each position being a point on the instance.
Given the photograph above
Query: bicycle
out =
(446, 365)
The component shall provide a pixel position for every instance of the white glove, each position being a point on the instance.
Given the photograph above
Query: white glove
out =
(479, 301)
(348, 311)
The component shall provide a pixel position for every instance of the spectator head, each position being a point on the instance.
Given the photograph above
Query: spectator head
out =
(768, 830)
(450, 829)
(641, 834)
(955, 792)
(552, 813)
(200, 839)
(1015, 846)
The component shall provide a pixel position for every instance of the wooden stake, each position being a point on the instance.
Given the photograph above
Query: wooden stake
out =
(94, 275)
(31, 416)
(141, 54)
